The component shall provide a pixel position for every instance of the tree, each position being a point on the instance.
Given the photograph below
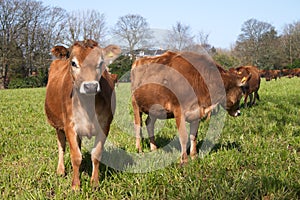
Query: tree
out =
(81, 25)
(134, 29)
(121, 66)
(28, 30)
(9, 29)
(180, 37)
(255, 45)
(203, 41)
(290, 41)
(226, 58)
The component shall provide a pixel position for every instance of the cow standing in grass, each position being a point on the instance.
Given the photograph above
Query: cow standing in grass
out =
(80, 101)
(185, 86)
(253, 85)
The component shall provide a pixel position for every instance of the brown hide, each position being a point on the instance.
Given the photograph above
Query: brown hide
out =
(296, 72)
(80, 101)
(253, 84)
(185, 86)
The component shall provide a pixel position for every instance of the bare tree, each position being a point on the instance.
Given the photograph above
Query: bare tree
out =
(27, 31)
(10, 26)
(89, 24)
(255, 43)
(203, 40)
(290, 41)
(180, 37)
(134, 29)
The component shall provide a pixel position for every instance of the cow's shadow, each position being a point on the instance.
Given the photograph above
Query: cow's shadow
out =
(202, 145)
(115, 160)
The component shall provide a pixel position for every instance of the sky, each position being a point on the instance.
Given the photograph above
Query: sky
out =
(220, 19)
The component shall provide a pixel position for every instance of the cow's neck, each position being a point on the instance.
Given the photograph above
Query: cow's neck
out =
(229, 80)
(85, 102)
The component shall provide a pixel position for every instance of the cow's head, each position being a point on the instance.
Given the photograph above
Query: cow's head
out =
(234, 93)
(87, 62)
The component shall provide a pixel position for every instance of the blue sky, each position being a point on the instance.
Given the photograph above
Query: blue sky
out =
(221, 19)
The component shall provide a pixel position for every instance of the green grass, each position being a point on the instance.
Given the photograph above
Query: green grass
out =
(257, 155)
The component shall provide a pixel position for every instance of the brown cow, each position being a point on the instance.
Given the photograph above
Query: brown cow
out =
(287, 73)
(296, 72)
(185, 86)
(80, 101)
(253, 85)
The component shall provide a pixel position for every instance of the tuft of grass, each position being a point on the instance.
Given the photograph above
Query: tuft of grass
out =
(256, 156)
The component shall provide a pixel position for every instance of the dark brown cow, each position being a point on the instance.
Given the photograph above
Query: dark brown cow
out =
(269, 74)
(80, 101)
(296, 72)
(184, 86)
(253, 84)
(287, 73)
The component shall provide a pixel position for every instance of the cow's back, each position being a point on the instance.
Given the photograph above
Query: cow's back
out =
(59, 90)
(175, 79)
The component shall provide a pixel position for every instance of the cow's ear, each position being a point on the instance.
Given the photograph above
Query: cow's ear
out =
(244, 80)
(110, 53)
(60, 52)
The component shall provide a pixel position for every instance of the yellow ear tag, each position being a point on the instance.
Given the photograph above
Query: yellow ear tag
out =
(244, 79)
(240, 73)
(110, 54)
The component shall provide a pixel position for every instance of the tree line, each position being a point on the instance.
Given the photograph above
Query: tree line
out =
(29, 29)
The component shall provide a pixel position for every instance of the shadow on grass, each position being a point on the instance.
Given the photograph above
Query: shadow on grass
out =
(87, 167)
(168, 145)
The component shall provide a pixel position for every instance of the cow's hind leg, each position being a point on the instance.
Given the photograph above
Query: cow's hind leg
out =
(256, 96)
(251, 99)
(150, 121)
(137, 124)
(61, 141)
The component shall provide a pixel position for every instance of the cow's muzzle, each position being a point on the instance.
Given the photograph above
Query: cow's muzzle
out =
(90, 87)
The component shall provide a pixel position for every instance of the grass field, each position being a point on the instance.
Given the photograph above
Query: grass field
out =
(256, 156)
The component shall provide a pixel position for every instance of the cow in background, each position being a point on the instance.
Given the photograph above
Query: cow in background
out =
(185, 86)
(253, 84)
(80, 101)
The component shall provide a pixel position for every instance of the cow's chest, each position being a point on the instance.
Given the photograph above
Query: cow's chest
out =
(85, 120)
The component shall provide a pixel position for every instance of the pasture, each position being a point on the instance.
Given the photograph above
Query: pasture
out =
(255, 156)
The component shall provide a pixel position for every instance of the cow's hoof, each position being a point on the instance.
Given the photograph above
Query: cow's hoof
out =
(194, 156)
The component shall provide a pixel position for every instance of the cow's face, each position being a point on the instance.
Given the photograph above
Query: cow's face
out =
(87, 61)
(234, 95)
(86, 66)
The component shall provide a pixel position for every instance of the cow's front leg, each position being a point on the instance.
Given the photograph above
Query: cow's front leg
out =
(61, 142)
(76, 157)
(245, 100)
(193, 137)
(150, 121)
(183, 138)
(96, 157)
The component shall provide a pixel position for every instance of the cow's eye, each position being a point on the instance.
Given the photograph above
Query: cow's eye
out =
(73, 64)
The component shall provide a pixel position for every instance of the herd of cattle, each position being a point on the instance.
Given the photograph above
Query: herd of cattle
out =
(80, 99)
(274, 74)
